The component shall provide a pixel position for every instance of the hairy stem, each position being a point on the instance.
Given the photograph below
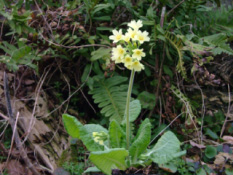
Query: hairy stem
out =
(127, 109)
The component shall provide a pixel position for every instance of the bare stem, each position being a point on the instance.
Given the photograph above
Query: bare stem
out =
(127, 109)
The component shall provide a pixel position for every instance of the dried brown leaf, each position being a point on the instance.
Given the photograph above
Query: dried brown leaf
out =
(228, 139)
(196, 145)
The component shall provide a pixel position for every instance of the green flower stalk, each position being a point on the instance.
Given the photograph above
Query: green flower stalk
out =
(129, 53)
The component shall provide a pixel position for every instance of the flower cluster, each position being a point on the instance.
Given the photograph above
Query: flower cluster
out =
(99, 137)
(130, 54)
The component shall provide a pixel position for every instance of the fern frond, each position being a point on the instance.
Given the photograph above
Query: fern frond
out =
(177, 44)
(187, 106)
(219, 42)
(110, 95)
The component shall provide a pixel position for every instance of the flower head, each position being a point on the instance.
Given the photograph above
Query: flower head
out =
(126, 38)
(117, 52)
(131, 33)
(99, 137)
(138, 54)
(142, 36)
(128, 61)
(135, 25)
(117, 36)
(137, 66)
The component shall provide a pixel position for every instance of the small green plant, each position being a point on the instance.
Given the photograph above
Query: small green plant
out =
(16, 56)
(117, 147)
(74, 168)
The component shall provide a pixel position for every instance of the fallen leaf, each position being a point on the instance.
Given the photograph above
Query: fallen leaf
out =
(222, 158)
(228, 139)
(196, 145)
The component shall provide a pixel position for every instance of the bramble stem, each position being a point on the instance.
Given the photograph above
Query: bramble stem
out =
(127, 109)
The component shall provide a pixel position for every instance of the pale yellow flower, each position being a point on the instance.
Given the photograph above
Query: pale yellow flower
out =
(129, 67)
(142, 36)
(118, 52)
(138, 54)
(135, 25)
(131, 33)
(117, 36)
(137, 66)
(128, 61)
(94, 134)
(101, 142)
(126, 38)
(118, 60)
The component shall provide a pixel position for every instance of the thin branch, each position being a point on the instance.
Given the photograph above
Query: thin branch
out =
(71, 94)
(228, 110)
(175, 7)
(74, 47)
(166, 127)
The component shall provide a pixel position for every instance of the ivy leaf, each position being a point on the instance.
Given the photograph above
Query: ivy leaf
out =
(166, 149)
(109, 159)
(116, 135)
(142, 140)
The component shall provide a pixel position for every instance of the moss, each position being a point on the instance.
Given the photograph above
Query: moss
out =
(63, 158)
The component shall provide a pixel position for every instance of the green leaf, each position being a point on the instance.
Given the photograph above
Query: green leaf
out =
(134, 111)
(92, 170)
(100, 53)
(116, 135)
(100, 7)
(177, 43)
(110, 94)
(87, 138)
(166, 149)
(147, 100)
(167, 71)
(219, 40)
(109, 159)
(104, 28)
(21, 52)
(142, 140)
(210, 152)
(201, 171)
(76, 130)
(102, 18)
(72, 125)
(212, 134)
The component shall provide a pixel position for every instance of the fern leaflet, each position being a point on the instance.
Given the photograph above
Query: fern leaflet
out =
(177, 44)
(110, 95)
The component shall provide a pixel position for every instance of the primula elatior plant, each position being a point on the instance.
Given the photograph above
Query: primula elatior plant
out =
(117, 148)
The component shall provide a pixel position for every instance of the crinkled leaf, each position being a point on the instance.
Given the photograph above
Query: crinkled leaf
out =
(76, 130)
(142, 140)
(92, 169)
(72, 125)
(134, 111)
(116, 135)
(166, 149)
(109, 159)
